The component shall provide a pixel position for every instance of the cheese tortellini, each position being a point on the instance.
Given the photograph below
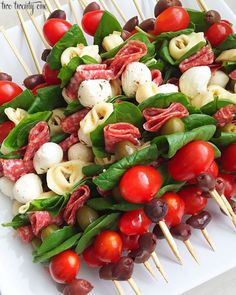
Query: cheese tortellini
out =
(227, 55)
(55, 120)
(15, 115)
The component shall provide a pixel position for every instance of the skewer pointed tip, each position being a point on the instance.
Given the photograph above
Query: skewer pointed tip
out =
(134, 286)
(191, 250)
(159, 266)
(149, 269)
(207, 238)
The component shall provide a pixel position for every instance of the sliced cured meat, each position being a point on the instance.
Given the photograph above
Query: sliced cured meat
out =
(157, 77)
(69, 141)
(13, 169)
(26, 233)
(71, 124)
(232, 75)
(156, 117)
(225, 115)
(115, 133)
(38, 135)
(203, 57)
(77, 200)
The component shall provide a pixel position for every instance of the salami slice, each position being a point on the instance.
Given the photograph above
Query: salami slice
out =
(115, 133)
(77, 200)
(156, 117)
(157, 77)
(232, 75)
(13, 169)
(71, 124)
(26, 233)
(38, 135)
(225, 115)
(69, 141)
(203, 57)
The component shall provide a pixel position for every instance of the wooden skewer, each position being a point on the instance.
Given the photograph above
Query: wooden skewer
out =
(82, 4)
(134, 286)
(214, 194)
(104, 5)
(139, 10)
(207, 238)
(29, 41)
(119, 288)
(121, 13)
(202, 5)
(49, 6)
(72, 6)
(16, 52)
(149, 269)
(191, 250)
(57, 3)
(228, 206)
(46, 15)
(159, 266)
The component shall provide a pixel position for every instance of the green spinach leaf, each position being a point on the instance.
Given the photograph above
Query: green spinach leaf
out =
(165, 54)
(229, 66)
(228, 43)
(197, 120)
(67, 71)
(198, 19)
(73, 107)
(57, 138)
(102, 204)
(93, 169)
(212, 107)
(18, 221)
(225, 139)
(173, 187)
(191, 52)
(171, 35)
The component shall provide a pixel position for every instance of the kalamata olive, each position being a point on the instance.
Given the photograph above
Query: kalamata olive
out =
(148, 242)
(131, 24)
(147, 25)
(60, 287)
(139, 255)
(206, 182)
(173, 125)
(158, 232)
(45, 54)
(5, 77)
(199, 221)
(164, 4)
(47, 231)
(36, 242)
(78, 287)
(125, 35)
(156, 210)
(229, 128)
(85, 216)
(106, 272)
(220, 186)
(181, 231)
(123, 269)
(124, 149)
(34, 80)
(212, 16)
(91, 7)
(58, 13)
(117, 195)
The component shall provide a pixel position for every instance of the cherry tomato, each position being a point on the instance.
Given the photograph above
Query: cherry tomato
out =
(64, 267)
(228, 158)
(108, 246)
(8, 91)
(139, 184)
(5, 129)
(54, 29)
(175, 209)
(230, 184)
(172, 19)
(50, 75)
(193, 200)
(218, 32)
(90, 258)
(130, 242)
(213, 170)
(191, 160)
(90, 21)
(134, 222)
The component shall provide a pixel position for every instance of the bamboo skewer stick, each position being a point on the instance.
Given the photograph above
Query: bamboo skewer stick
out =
(149, 269)
(207, 238)
(57, 3)
(104, 5)
(121, 13)
(46, 15)
(16, 52)
(228, 206)
(202, 5)
(214, 194)
(119, 288)
(191, 250)
(82, 4)
(72, 6)
(158, 265)
(49, 6)
(29, 41)
(139, 10)
(134, 286)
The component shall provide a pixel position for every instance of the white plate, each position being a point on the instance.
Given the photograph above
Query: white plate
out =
(18, 275)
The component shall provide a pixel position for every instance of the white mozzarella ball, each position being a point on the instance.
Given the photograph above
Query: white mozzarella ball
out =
(27, 188)
(168, 88)
(136, 73)
(47, 155)
(81, 152)
(219, 78)
(6, 187)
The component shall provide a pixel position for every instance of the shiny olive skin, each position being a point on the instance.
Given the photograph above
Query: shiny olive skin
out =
(181, 232)
(78, 287)
(139, 255)
(220, 186)
(230, 128)
(156, 210)
(36, 242)
(148, 242)
(206, 182)
(91, 7)
(85, 216)
(47, 231)
(147, 25)
(212, 17)
(164, 4)
(34, 80)
(125, 35)
(5, 77)
(199, 221)
(173, 125)
(131, 24)
(45, 54)
(158, 232)
(117, 195)
(124, 149)
(58, 14)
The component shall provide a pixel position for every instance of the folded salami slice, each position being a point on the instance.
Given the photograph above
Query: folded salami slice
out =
(38, 135)
(232, 75)
(115, 133)
(156, 117)
(71, 124)
(203, 57)
(13, 169)
(68, 142)
(77, 200)
(26, 233)
(157, 77)
(225, 115)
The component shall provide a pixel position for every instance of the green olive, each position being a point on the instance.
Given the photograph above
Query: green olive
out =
(117, 195)
(47, 231)
(85, 216)
(36, 242)
(124, 149)
(173, 125)
(230, 127)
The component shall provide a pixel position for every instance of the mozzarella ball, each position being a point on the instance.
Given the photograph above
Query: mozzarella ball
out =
(92, 92)
(84, 138)
(168, 88)
(47, 155)
(6, 187)
(27, 188)
(146, 90)
(136, 73)
(219, 78)
(93, 51)
(81, 152)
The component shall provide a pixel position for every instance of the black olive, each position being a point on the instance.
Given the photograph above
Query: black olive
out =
(156, 210)
(78, 286)
(148, 242)
(164, 4)
(158, 232)
(123, 269)
(212, 16)
(131, 24)
(206, 182)
(148, 25)
(181, 231)
(199, 221)
(91, 7)
(5, 77)
(58, 14)
(45, 54)
(34, 80)
(139, 255)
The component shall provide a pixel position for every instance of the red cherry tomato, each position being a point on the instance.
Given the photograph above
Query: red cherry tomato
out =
(228, 158)
(54, 29)
(175, 211)
(90, 258)
(218, 32)
(172, 19)
(90, 21)
(213, 170)
(140, 184)
(191, 160)
(8, 91)
(134, 222)
(108, 246)
(230, 184)
(5, 129)
(130, 242)
(64, 267)
(193, 200)
(50, 75)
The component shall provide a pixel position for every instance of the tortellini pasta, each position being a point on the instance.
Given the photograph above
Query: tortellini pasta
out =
(55, 120)
(227, 55)
(15, 115)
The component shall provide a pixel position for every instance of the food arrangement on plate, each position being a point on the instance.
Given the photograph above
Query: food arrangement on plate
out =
(121, 143)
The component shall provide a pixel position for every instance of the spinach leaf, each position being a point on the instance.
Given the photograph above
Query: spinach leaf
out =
(198, 19)
(71, 38)
(102, 204)
(191, 52)
(10, 156)
(48, 99)
(216, 150)
(154, 64)
(18, 221)
(171, 35)
(119, 97)
(23, 101)
(229, 66)
(164, 53)
(57, 138)
(93, 169)
(108, 179)
(18, 133)
(228, 43)
(197, 120)
(99, 225)
(73, 107)
(67, 71)
(170, 72)
(88, 60)
(173, 187)
(212, 107)
(225, 139)
(168, 145)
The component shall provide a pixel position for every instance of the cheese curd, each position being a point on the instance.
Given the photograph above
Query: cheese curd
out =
(6, 187)
(81, 152)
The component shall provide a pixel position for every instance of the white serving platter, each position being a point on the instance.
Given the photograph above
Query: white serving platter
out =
(19, 275)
